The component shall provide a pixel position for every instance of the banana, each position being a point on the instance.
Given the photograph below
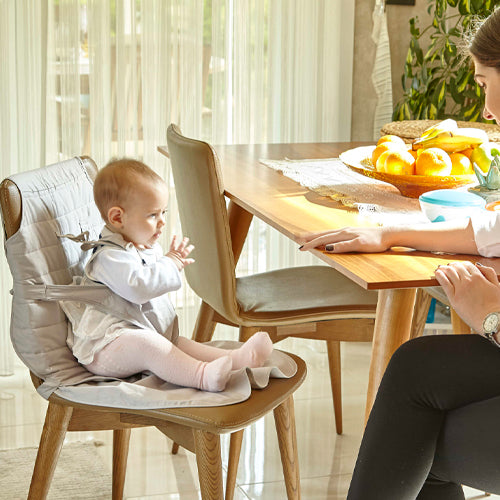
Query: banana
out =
(450, 139)
(448, 125)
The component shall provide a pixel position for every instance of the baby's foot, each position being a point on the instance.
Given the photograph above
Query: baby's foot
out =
(216, 374)
(254, 352)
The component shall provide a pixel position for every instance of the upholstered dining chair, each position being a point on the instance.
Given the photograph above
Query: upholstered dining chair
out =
(313, 302)
(58, 199)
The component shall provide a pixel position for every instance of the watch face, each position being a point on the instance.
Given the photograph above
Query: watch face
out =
(491, 323)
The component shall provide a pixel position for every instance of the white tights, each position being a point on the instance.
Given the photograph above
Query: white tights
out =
(189, 364)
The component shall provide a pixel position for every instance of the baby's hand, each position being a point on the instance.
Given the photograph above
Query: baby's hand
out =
(179, 252)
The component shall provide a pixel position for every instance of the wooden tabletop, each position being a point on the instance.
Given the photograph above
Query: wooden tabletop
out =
(296, 211)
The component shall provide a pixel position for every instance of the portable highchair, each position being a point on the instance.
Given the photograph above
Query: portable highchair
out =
(41, 204)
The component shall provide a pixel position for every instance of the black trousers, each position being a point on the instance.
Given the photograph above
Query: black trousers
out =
(435, 423)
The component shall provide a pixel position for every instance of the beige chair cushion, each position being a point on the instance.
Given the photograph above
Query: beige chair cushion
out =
(314, 291)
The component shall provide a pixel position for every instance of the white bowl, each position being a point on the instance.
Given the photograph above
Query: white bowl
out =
(448, 204)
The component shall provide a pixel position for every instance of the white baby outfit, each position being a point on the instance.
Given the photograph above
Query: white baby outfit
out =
(143, 277)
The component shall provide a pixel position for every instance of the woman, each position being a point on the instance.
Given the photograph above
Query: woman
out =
(435, 423)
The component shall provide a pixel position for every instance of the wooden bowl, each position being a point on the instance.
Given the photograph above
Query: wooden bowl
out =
(411, 186)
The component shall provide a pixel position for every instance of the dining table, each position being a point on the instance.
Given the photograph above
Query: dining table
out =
(256, 190)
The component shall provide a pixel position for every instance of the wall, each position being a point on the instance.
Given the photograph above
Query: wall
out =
(364, 98)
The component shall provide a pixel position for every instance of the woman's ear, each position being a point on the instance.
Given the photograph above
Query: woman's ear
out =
(115, 217)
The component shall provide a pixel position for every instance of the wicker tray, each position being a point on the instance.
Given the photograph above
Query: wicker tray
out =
(409, 130)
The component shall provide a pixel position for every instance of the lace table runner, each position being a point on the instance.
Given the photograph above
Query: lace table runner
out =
(380, 202)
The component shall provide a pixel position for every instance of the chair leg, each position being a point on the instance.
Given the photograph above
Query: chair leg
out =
(205, 326)
(208, 458)
(334, 363)
(284, 418)
(420, 312)
(56, 423)
(233, 461)
(247, 331)
(121, 440)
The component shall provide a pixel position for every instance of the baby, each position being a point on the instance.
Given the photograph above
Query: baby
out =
(128, 259)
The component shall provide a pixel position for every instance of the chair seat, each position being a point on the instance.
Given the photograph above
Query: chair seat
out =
(313, 293)
(214, 419)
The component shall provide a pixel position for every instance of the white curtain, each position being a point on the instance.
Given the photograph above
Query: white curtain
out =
(381, 73)
(106, 78)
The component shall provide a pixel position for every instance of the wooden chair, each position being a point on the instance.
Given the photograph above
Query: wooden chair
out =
(313, 302)
(197, 429)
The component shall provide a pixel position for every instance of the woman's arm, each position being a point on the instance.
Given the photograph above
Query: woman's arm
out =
(452, 236)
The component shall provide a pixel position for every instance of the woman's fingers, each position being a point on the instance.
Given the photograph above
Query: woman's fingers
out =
(488, 272)
(445, 282)
(319, 241)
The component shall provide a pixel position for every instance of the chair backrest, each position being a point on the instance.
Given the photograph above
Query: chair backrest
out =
(36, 206)
(204, 219)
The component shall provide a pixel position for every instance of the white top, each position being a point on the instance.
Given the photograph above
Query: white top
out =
(142, 277)
(487, 233)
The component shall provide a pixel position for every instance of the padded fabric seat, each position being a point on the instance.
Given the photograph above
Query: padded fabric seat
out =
(312, 291)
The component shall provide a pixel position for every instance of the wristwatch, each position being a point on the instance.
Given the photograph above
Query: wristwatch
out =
(491, 325)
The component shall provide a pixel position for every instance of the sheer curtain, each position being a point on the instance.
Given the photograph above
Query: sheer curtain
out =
(106, 78)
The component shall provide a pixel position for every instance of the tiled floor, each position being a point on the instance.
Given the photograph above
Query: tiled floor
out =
(326, 459)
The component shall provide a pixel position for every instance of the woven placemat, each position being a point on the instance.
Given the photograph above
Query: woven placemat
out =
(409, 130)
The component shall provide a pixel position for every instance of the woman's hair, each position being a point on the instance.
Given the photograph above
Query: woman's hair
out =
(484, 41)
(117, 180)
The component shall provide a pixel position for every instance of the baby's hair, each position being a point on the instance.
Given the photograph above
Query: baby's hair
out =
(117, 180)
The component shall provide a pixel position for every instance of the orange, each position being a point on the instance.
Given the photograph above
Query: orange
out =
(398, 162)
(382, 147)
(433, 161)
(391, 138)
(467, 152)
(460, 164)
(414, 153)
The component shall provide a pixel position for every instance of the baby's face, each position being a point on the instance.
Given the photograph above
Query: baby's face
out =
(144, 214)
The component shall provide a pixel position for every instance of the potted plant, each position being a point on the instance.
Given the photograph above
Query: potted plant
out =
(438, 83)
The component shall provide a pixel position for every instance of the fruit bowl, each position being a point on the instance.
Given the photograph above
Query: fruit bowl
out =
(411, 186)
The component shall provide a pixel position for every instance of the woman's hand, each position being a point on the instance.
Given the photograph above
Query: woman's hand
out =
(179, 252)
(350, 239)
(473, 291)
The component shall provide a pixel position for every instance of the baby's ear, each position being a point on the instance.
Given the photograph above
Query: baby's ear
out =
(115, 216)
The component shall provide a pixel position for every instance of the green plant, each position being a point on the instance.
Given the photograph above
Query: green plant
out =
(438, 82)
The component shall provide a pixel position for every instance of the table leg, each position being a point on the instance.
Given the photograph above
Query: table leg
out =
(392, 328)
(239, 224)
